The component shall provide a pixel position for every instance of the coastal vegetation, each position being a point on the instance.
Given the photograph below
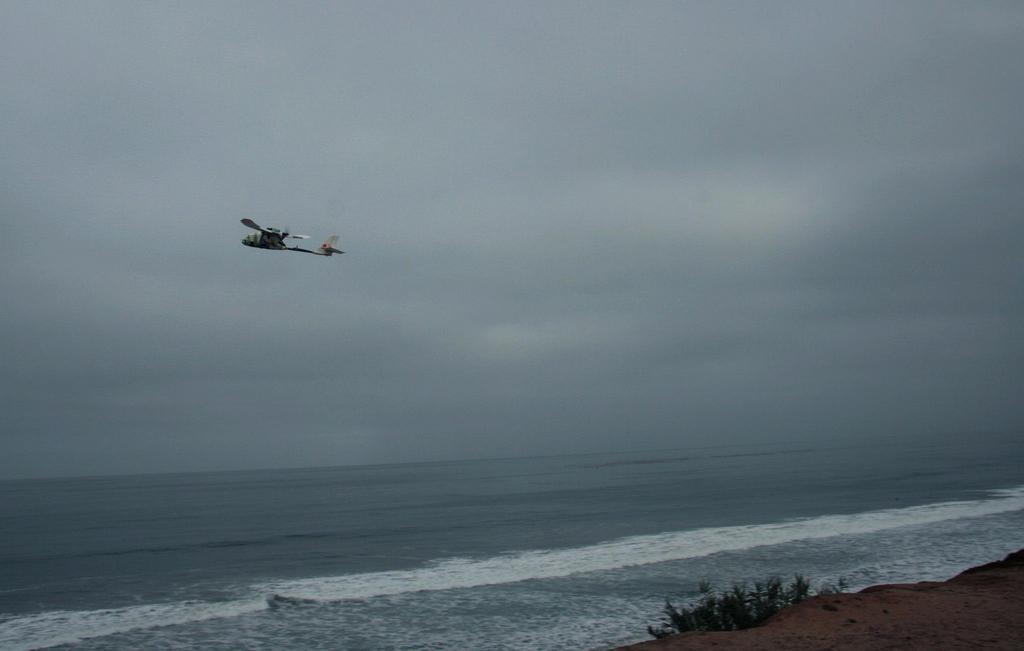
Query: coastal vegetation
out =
(738, 608)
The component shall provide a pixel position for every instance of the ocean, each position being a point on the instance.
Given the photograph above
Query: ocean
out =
(562, 552)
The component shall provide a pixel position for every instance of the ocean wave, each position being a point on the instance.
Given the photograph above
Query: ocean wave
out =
(169, 549)
(513, 567)
(66, 627)
(661, 460)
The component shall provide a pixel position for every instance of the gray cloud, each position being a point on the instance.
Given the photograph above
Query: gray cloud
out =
(571, 227)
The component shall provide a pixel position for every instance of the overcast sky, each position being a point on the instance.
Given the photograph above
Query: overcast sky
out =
(570, 227)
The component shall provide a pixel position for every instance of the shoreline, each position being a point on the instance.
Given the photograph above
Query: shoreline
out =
(982, 607)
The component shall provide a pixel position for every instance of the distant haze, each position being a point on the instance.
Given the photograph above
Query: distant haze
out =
(570, 227)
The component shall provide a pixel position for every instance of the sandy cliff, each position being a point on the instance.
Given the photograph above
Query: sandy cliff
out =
(982, 607)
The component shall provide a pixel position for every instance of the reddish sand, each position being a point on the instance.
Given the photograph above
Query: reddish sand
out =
(982, 608)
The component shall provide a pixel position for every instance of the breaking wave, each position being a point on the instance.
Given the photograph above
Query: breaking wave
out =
(636, 550)
(65, 627)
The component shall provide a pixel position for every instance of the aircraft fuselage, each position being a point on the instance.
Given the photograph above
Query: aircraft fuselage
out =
(261, 240)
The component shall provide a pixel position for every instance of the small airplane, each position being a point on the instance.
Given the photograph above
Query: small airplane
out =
(273, 239)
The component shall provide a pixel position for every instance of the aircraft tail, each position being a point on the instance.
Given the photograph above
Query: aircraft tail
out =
(327, 248)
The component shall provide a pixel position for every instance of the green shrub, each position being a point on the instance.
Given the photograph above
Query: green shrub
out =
(738, 608)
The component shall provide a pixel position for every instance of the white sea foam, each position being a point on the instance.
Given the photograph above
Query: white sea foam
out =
(637, 550)
(66, 627)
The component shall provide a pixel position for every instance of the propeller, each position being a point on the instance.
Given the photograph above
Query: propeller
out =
(287, 234)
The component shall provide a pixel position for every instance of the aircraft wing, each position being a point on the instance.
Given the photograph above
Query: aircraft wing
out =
(251, 224)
